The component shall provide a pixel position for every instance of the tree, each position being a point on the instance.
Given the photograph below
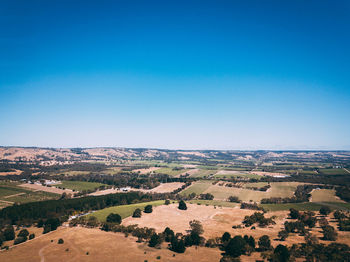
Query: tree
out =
(177, 245)
(23, 233)
(114, 218)
(168, 234)
(281, 254)
(182, 205)
(60, 241)
(155, 240)
(47, 229)
(9, 233)
(225, 237)
(283, 234)
(167, 202)
(19, 240)
(329, 233)
(196, 227)
(137, 213)
(264, 243)
(235, 247)
(325, 210)
(234, 199)
(251, 242)
(293, 213)
(148, 209)
(31, 236)
(323, 222)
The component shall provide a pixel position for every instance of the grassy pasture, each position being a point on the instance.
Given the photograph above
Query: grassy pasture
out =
(204, 172)
(124, 210)
(197, 187)
(79, 185)
(7, 190)
(33, 197)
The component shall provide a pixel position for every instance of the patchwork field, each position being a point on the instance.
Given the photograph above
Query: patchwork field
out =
(171, 171)
(311, 206)
(231, 173)
(85, 245)
(10, 193)
(124, 210)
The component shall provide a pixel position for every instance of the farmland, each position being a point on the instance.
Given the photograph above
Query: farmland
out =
(78, 185)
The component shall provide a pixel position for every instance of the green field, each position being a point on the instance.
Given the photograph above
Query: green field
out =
(306, 206)
(204, 173)
(79, 185)
(124, 210)
(33, 197)
(197, 187)
(325, 195)
(231, 173)
(7, 190)
(333, 171)
(169, 171)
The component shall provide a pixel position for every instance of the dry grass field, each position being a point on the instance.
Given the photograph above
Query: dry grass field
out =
(324, 195)
(278, 189)
(52, 189)
(216, 221)
(101, 246)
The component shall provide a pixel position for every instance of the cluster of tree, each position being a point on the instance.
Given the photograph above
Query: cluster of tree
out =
(236, 246)
(312, 250)
(264, 188)
(343, 192)
(252, 206)
(34, 211)
(343, 220)
(8, 233)
(206, 196)
(259, 218)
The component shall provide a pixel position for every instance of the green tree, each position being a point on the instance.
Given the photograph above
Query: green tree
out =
(281, 254)
(9, 233)
(148, 209)
(264, 243)
(325, 210)
(329, 233)
(137, 213)
(114, 218)
(182, 205)
(167, 202)
(225, 237)
(155, 240)
(235, 247)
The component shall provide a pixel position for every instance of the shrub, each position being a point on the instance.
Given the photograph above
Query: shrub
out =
(283, 234)
(137, 213)
(32, 236)
(234, 199)
(114, 218)
(60, 241)
(167, 202)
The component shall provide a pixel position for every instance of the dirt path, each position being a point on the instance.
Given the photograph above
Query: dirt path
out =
(7, 202)
(14, 195)
(347, 170)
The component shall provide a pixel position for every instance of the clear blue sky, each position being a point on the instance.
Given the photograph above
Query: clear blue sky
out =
(175, 74)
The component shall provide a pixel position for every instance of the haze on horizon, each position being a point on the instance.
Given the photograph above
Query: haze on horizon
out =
(175, 75)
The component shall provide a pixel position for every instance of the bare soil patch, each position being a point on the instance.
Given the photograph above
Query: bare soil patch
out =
(55, 190)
